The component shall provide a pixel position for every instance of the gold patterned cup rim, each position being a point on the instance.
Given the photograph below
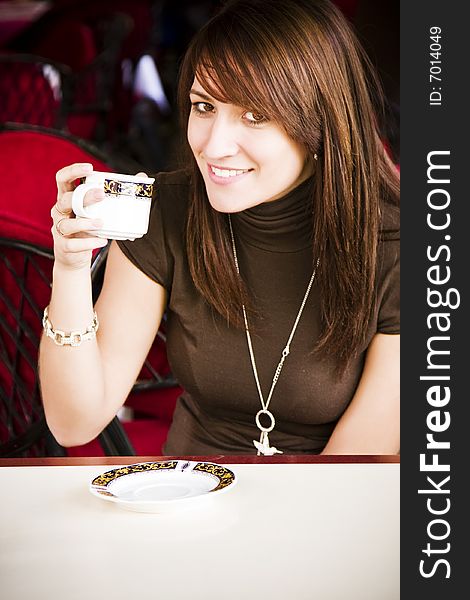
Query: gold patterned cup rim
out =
(114, 187)
(116, 184)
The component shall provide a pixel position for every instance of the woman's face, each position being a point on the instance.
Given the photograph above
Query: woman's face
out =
(245, 159)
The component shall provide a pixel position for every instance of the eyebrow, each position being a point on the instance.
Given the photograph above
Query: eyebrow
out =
(200, 94)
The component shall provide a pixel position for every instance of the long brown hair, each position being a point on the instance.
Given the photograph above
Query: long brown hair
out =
(298, 63)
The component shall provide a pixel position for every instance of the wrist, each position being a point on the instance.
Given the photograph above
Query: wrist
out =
(71, 306)
(70, 275)
(71, 338)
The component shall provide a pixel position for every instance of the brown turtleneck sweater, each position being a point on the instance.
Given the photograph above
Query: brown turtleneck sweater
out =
(216, 413)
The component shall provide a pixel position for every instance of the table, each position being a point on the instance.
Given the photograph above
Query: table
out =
(323, 528)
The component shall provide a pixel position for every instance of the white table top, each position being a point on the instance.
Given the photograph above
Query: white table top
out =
(284, 532)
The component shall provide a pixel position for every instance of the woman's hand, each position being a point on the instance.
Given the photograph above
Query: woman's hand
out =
(73, 236)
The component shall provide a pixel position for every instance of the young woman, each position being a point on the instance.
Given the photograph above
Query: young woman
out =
(275, 253)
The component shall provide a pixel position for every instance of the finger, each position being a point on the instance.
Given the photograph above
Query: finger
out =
(66, 176)
(141, 174)
(75, 245)
(64, 202)
(62, 207)
(93, 196)
(58, 212)
(68, 227)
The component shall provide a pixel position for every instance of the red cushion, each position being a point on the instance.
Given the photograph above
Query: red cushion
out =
(146, 435)
(27, 95)
(155, 403)
(28, 164)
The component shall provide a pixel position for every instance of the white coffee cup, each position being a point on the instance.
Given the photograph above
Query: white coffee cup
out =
(125, 209)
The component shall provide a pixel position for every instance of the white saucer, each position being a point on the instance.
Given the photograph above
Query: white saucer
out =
(162, 486)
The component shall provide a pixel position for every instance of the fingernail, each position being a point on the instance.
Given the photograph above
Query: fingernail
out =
(99, 194)
(87, 166)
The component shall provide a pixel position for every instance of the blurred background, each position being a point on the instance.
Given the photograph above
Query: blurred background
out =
(95, 81)
(112, 66)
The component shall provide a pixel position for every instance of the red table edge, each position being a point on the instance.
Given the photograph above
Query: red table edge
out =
(220, 458)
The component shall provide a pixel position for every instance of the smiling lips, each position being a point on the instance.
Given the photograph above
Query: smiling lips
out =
(227, 175)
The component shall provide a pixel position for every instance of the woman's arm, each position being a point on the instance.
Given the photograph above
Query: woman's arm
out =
(84, 386)
(371, 423)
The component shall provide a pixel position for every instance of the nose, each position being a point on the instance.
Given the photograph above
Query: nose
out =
(221, 139)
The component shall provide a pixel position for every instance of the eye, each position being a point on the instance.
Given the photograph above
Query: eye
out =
(202, 108)
(254, 118)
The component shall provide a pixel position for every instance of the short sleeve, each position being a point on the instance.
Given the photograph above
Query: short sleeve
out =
(388, 319)
(154, 253)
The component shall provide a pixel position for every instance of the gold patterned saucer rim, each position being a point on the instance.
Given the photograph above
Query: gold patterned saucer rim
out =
(157, 486)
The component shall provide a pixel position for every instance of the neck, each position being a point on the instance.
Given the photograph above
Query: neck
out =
(282, 225)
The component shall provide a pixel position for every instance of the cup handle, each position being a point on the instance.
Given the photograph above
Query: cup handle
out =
(78, 196)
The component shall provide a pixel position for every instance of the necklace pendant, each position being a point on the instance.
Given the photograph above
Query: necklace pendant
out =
(263, 446)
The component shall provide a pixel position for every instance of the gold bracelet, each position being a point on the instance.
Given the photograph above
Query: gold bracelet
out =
(73, 338)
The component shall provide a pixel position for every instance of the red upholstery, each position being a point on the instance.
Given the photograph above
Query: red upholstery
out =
(28, 94)
(157, 403)
(147, 437)
(28, 162)
(73, 32)
(73, 43)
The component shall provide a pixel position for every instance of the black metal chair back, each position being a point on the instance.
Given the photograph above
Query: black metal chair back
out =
(25, 275)
(31, 155)
(25, 282)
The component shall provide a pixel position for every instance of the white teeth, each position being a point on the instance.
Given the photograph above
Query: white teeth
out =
(227, 172)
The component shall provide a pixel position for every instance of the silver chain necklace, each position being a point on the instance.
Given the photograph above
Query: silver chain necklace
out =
(263, 446)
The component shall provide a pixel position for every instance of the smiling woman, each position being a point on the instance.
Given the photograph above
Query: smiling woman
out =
(274, 251)
(244, 150)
